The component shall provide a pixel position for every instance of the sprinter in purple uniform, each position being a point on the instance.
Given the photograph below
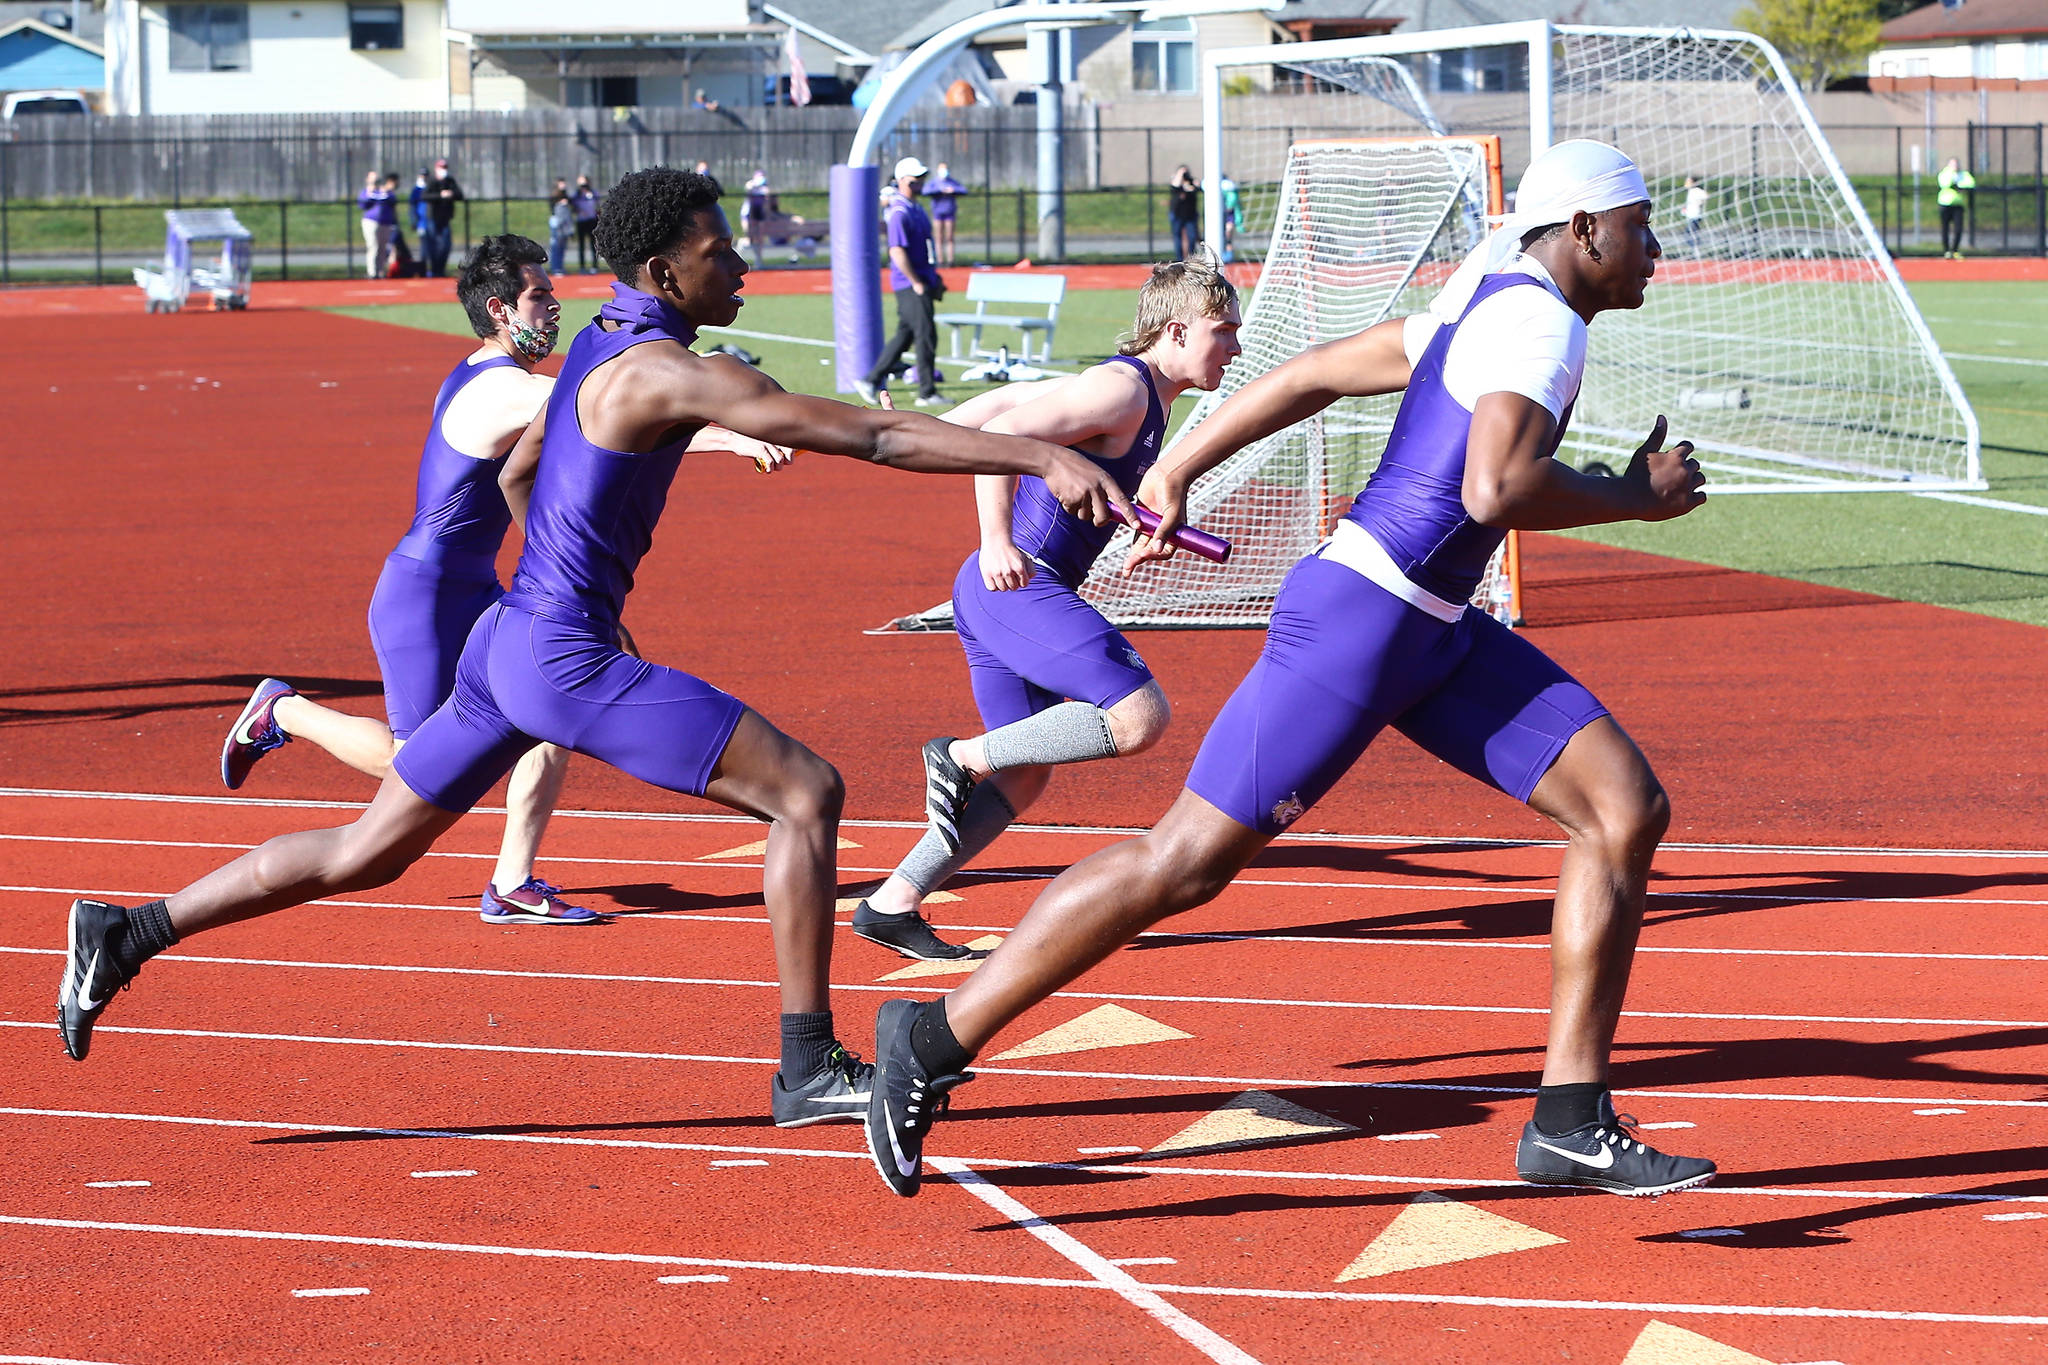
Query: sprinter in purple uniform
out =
(1375, 629)
(588, 480)
(1054, 681)
(444, 573)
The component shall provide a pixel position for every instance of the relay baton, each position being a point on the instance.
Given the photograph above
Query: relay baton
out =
(1190, 538)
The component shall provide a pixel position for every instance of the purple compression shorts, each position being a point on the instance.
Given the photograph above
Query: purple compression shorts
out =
(1345, 658)
(1038, 646)
(524, 679)
(419, 617)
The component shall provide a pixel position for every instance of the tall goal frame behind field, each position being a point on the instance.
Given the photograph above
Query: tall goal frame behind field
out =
(1780, 339)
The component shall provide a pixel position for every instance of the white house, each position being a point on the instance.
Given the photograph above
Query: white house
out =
(331, 56)
(1981, 45)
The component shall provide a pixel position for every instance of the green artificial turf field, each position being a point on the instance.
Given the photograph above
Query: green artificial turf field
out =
(1977, 558)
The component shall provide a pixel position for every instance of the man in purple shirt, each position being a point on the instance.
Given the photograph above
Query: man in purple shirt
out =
(918, 288)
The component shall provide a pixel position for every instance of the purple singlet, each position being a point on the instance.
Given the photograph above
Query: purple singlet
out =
(1414, 503)
(544, 663)
(1058, 539)
(444, 573)
(1031, 647)
(1346, 657)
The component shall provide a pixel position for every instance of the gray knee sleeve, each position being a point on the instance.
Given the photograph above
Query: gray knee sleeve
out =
(1071, 732)
(928, 866)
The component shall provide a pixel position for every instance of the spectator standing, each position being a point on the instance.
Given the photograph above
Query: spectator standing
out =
(917, 284)
(561, 223)
(1226, 188)
(754, 211)
(1183, 207)
(704, 102)
(1695, 210)
(379, 204)
(1954, 183)
(403, 266)
(584, 201)
(439, 235)
(419, 206)
(944, 192)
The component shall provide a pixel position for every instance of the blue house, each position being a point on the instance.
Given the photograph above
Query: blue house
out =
(34, 56)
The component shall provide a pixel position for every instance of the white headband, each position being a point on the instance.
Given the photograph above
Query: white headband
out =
(1580, 176)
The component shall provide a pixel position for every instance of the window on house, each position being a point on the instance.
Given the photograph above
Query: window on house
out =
(614, 92)
(1482, 68)
(376, 28)
(1983, 60)
(1163, 56)
(209, 37)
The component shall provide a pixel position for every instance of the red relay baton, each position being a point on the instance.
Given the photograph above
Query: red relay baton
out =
(1190, 538)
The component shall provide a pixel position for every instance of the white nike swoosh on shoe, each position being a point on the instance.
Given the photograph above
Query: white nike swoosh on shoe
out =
(85, 1002)
(1599, 1162)
(903, 1168)
(861, 1098)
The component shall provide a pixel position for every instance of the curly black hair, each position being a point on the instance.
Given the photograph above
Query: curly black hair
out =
(494, 271)
(649, 213)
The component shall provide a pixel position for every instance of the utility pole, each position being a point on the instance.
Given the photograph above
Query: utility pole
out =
(1047, 48)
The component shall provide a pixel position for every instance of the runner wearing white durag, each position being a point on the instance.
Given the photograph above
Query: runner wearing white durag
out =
(1373, 630)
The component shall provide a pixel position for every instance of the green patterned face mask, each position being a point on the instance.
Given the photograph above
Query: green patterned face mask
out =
(535, 343)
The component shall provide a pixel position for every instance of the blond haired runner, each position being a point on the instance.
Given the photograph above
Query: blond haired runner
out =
(1054, 681)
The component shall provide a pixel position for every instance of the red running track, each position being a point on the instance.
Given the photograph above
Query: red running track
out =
(210, 498)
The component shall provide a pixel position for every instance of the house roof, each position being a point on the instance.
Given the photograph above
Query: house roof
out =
(58, 34)
(870, 25)
(1974, 20)
(92, 20)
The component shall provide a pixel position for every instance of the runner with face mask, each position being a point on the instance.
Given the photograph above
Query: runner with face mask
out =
(443, 574)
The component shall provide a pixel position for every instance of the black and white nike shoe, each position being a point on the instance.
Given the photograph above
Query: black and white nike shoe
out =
(911, 935)
(946, 789)
(1606, 1155)
(839, 1092)
(906, 1100)
(91, 973)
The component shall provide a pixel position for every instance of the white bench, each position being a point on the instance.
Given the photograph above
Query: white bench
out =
(985, 287)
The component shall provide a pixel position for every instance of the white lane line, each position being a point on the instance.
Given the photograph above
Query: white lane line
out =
(2012, 1217)
(440, 1175)
(1108, 1273)
(694, 1279)
(747, 1161)
(117, 1184)
(1924, 1113)
(1044, 1282)
(1142, 1260)
(897, 988)
(350, 1132)
(327, 1293)
(1995, 359)
(1669, 1123)
(1108, 1151)
(1407, 1137)
(1116, 831)
(769, 336)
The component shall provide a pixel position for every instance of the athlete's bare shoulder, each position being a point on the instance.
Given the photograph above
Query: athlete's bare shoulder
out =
(486, 417)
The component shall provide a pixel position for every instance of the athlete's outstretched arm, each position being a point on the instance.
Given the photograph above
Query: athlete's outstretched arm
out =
(515, 480)
(1373, 361)
(1512, 481)
(983, 408)
(749, 402)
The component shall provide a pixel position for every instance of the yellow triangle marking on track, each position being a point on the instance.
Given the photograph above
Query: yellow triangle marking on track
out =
(1103, 1026)
(1663, 1344)
(759, 847)
(917, 969)
(1252, 1118)
(1434, 1230)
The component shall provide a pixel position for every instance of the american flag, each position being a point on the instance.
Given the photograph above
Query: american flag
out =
(799, 81)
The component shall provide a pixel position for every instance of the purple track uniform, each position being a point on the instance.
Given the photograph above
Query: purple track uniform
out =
(444, 573)
(1040, 644)
(944, 192)
(543, 664)
(1373, 629)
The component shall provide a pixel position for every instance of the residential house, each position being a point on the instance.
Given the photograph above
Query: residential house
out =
(1984, 45)
(35, 55)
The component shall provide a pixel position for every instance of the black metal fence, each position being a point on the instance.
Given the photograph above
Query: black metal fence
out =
(2006, 213)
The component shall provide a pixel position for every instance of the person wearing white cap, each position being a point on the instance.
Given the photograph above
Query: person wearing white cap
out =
(1374, 628)
(914, 277)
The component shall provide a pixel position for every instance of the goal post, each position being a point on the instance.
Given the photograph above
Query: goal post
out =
(1779, 337)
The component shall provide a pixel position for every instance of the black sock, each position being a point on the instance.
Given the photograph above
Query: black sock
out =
(1561, 1108)
(931, 1038)
(807, 1044)
(148, 933)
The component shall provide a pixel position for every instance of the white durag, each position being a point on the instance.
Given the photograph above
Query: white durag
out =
(1580, 176)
